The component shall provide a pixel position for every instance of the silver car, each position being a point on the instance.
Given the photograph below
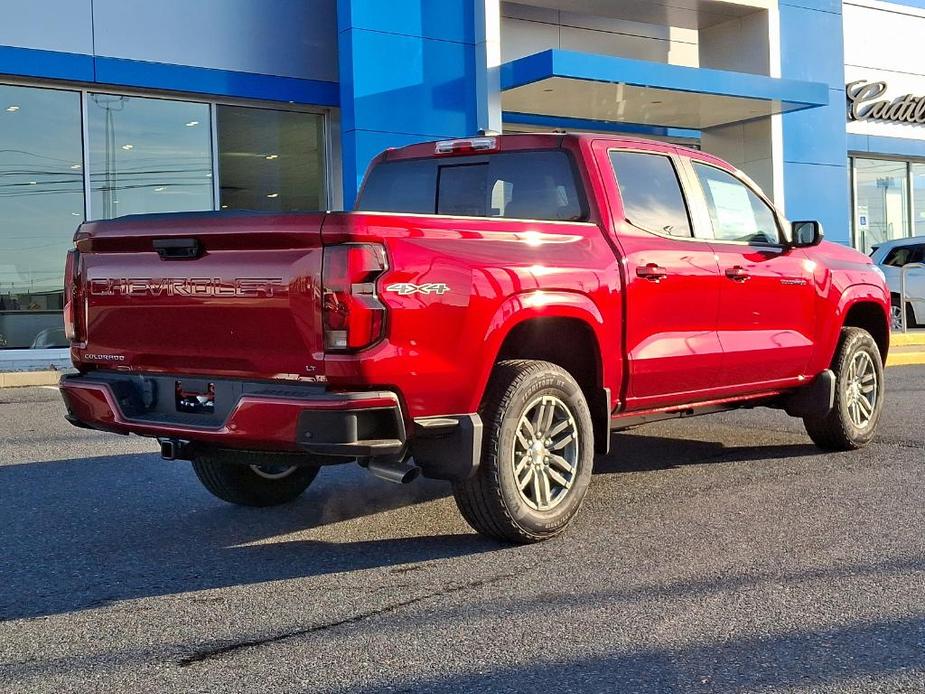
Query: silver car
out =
(891, 256)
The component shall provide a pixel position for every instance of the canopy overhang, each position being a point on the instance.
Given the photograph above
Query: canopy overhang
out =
(569, 84)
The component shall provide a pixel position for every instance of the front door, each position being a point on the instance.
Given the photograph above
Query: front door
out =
(767, 302)
(672, 282)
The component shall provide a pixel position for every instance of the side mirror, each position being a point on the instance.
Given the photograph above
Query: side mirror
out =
(804, 234)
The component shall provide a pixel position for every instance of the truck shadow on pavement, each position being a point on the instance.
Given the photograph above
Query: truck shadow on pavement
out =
(82, 533)
(86, 532)
(641, 453)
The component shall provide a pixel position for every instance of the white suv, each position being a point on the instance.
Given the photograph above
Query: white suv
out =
(891, 256)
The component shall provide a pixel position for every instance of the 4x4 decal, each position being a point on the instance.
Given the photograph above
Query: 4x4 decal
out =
(406, 288)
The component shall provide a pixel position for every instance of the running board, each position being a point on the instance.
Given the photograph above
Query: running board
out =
(693, 409)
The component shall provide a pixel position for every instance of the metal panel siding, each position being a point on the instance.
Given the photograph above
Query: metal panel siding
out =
(820, 5)
(818, 191)
(812, 46)
(815, 143)
(891, 146)
(270, 37)
(407, 74)
(29, 62)
(134, 73)
(410, 84)
(443, 21)
(813, 136)
(49, 25)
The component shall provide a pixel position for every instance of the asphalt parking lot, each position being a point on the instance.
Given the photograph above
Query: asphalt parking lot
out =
(715, 554)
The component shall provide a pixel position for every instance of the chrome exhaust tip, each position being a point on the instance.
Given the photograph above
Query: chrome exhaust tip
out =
(397, 473)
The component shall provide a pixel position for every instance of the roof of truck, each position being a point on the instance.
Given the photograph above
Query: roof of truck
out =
(542, 140)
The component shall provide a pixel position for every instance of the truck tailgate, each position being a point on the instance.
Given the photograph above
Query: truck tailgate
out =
(213, 293)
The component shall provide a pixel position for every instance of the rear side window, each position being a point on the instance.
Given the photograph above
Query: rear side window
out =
(651, 192)
(522, 185)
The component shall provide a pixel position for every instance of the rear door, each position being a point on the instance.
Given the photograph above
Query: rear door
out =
(672, 281)
(768, 298)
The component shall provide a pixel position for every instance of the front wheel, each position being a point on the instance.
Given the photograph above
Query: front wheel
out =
(537, 455)
(859, 390)
(253, 479)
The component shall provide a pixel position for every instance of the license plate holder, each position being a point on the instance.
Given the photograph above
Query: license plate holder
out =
(194, 397)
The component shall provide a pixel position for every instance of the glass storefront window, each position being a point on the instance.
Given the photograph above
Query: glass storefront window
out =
(141, 155)
(918, 199)
(270, 160)
(148, 155)
(881, 201)
(41, 204)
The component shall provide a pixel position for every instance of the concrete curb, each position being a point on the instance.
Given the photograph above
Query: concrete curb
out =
(20, 379)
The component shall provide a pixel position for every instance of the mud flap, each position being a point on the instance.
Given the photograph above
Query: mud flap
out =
(447, 448)
(815, 399)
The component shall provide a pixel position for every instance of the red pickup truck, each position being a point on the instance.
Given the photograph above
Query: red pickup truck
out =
(492, 310)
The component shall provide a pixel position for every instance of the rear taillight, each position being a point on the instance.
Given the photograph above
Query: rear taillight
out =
(353, 317)
(73, 301)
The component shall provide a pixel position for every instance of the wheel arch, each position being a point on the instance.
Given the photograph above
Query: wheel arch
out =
(870, 316)
(564, 328)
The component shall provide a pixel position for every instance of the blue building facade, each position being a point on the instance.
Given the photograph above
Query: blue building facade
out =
(112, 107)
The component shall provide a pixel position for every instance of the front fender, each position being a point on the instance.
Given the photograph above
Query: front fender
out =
(831, 325)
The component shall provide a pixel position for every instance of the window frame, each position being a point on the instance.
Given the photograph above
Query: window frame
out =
(704, 206)
(673, 161)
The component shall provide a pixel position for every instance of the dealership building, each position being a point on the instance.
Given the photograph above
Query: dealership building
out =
(117, 107)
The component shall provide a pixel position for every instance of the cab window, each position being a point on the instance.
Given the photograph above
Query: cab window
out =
(736, 212)
(652, 198)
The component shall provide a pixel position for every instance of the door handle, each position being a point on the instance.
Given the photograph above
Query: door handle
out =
(651, 272)
(737, 273)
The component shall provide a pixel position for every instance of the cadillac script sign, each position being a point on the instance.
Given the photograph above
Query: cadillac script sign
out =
(866, 103)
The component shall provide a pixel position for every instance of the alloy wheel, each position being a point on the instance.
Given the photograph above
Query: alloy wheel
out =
(545, 453)
(861, 389)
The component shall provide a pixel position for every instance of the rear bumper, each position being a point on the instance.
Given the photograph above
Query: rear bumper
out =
(273, 416)
(255, 416)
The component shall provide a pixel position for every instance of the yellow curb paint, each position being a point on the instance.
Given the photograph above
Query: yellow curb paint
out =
(905, 358)
(20, 379)
(914, 339)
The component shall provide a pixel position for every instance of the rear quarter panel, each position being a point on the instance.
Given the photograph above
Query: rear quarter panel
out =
(439, 348)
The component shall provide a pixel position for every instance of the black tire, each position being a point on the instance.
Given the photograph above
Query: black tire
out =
(837, 431)
(232, 477)
(491, 501)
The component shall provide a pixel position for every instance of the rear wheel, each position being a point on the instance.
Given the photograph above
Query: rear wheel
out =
(537, 454)
(859, 389)
(253, 479)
